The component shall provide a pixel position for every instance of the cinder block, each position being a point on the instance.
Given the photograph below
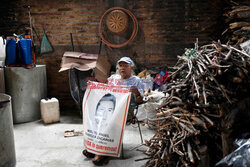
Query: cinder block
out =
(50, 110)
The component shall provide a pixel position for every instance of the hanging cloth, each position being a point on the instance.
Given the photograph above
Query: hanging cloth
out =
(45, 44)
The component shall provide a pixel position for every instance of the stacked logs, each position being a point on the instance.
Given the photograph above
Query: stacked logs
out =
(204, 78)
(238, 20)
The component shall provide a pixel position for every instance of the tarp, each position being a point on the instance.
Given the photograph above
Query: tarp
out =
(105, 109)
(239, 157)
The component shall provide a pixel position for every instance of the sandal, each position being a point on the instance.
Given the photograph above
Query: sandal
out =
(88, 154)
(99, 160)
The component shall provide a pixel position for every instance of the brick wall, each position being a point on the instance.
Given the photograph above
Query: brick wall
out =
(169, 26)
(166, 27)
(58, 18)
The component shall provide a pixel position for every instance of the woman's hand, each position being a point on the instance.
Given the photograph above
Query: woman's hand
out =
(134, 90)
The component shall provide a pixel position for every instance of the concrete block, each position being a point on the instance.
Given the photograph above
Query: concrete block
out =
(2, 82)
(50, 110)
(26, 87)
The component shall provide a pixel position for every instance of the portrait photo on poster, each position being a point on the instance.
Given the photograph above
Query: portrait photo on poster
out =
(104, 110)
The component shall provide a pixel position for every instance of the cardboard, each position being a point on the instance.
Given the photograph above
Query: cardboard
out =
(85, 62)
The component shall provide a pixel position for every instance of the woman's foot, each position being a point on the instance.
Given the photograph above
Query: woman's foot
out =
(99, 160)
(88, 154)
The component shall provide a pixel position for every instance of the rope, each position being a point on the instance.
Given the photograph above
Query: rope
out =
(134, 32)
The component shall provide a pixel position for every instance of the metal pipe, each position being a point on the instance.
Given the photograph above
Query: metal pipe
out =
(72, 44)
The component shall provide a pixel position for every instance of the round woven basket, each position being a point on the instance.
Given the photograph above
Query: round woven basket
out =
(117, 22)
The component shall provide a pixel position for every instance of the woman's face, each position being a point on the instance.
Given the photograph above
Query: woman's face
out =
(125, 70)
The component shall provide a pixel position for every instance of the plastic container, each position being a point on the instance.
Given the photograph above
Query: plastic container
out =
(25, 56)
(11, 51)
(50, 110)
(19, 53)
(2, 51)
(7, 145)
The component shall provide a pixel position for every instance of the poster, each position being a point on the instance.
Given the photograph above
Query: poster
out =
(105, 109)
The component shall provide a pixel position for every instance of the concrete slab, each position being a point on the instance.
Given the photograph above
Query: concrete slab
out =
(39, 145)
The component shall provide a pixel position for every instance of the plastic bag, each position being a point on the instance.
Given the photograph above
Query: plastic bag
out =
(246, 46)
(45, 45)
(240, 157)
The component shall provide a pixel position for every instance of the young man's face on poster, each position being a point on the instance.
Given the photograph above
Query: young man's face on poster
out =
(104, 112)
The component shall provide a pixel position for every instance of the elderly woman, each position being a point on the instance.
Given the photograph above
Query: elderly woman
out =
(124, 76)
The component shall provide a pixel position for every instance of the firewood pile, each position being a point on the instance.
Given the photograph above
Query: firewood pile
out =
(204, 78)
(238, 21)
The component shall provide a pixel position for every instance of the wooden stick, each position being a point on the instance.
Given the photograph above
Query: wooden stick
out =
(190, 154)
(141, 159)
(204, 94)
(196, 87)
(238, 24)
(168, 111)
(207, 119)
(237, 50)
